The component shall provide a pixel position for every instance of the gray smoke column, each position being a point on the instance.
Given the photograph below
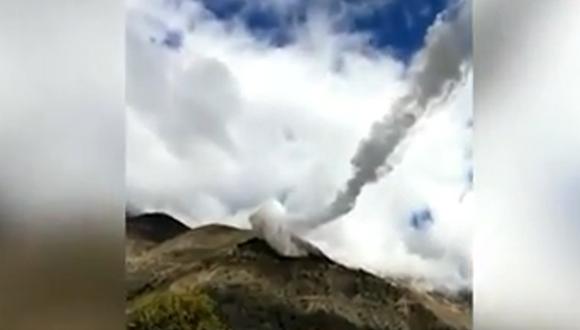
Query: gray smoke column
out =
(433, 75)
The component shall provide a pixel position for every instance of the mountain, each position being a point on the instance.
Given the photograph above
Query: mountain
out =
(146, 230)
(218, 277)
(153, 227)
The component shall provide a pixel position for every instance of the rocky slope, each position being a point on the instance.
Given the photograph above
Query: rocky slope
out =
(241, 284)
(144, 231)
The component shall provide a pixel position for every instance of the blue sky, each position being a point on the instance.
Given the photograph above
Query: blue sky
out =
(421, 218)
(398, 26)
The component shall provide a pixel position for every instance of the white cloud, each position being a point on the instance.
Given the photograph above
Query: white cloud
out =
(226, 123)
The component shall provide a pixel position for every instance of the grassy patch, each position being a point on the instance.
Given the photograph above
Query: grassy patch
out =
(176, 311)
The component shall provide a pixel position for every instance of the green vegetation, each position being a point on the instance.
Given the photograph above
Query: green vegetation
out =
(176, 311)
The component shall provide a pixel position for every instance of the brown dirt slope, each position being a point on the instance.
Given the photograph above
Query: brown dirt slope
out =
(253, 288)
(145, 231)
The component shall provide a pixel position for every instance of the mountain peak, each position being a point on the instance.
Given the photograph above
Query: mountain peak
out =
(249, 286)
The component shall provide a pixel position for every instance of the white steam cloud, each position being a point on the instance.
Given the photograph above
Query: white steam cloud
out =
(226, 124)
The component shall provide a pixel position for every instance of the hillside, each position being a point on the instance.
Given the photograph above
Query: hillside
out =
(218, 277)
(145, 231)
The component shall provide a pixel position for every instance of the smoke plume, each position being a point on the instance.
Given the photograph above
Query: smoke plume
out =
(434, 74)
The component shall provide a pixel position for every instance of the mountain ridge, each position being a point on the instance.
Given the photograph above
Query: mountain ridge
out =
(254, 288)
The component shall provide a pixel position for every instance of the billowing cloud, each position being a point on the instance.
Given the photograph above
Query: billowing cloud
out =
(220, 121)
